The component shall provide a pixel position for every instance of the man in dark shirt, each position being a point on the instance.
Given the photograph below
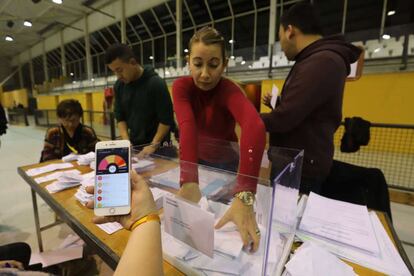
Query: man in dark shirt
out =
(143, 107)
(310, 108)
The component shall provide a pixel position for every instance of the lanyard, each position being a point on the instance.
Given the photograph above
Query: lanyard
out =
(72, 149)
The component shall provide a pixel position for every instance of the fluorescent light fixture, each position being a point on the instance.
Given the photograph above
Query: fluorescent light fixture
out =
(386, 36)
(243, 62)
(185, 50)
(231, 41)
(92, 79)
(167, 73)
(27, 23)
(232, 57)
(377, 50)
(8, 38)
(57, 1)
(391, 12)
(71, 74)
(151, 57)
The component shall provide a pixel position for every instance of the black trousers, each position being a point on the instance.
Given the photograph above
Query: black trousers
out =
(18, 251)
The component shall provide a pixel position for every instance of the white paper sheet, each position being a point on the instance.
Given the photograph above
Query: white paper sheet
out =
(48, 168)
(110, 227)
(58, 256)
(54, 176)
(86, 159)
(275, 94)
(339, 221)
(312, 260)
(189, 224)
(388, 261)
(142, 165)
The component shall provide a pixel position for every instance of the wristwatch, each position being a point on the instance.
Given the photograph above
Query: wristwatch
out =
(247, 198)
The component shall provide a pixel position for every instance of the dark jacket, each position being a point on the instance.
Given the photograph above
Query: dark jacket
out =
(310, 109)
(143, 104)
(57, 141)
(3, 121)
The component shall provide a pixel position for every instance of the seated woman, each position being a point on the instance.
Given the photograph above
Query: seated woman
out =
(70, 136)
(207, 107)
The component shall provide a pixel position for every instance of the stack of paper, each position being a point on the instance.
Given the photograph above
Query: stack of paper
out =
(388, 261)
(340, 222)
(312, 260)
(158, 195)
(48, 168)
(81, 195)
(86, 159)
(54, 176)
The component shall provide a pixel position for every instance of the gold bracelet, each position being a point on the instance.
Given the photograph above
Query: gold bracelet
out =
(150, 217)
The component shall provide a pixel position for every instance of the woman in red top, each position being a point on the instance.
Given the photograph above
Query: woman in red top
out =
(207, 107)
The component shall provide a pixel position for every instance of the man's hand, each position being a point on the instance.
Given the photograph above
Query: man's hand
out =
(267, 98)
(190, 191)
(146, 151)
(244, 218)
(142, 203)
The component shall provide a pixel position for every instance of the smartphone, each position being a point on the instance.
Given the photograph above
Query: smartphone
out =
(112, 180)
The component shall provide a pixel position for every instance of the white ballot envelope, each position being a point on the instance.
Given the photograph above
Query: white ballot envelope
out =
(189, 223)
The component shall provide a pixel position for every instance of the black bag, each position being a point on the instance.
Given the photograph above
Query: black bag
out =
(357, 133)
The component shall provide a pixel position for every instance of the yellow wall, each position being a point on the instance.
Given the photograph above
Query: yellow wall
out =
(47, 102)
(97, 99)
(379, 98)
(10, 98)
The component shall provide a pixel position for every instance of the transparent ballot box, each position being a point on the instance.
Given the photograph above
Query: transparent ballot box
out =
(189, 239)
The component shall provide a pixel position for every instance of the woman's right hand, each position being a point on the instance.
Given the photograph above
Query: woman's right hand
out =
(190, 191)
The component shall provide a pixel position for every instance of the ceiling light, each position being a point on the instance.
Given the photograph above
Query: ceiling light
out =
(57, 1)
(73, 82)
(27, 23)
(185, 50)
(92, 79)
(377, 50)
(243, 62)
(231, 41)
(8, 38)
(151, 57)
(386, 36)
(71, 74)
(167, 72)
(232, 57)
(391, 12)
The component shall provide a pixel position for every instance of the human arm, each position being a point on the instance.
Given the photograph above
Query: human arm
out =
(123, 130)
(162, 130)
(307, 89)
(119, 112)
(144, 239)
(51, 147)
(91, 139)
(181, 90)
(252, 144)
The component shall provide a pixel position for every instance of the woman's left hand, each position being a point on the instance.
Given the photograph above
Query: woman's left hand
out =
(245, 219)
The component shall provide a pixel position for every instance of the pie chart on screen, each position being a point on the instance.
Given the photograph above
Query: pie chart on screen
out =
(111, 160)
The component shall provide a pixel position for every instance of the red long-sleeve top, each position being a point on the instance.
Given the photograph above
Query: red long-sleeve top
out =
(206, 118)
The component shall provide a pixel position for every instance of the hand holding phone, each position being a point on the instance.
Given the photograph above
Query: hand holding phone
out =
(142, 203)
(112, 180)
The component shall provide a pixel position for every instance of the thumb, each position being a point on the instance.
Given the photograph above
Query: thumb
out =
(222, 221)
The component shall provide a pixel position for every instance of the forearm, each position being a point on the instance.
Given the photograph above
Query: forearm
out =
(123, 130)
(162, 131)
(143, 254)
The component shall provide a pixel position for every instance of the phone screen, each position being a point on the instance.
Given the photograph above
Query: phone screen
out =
(112, 177)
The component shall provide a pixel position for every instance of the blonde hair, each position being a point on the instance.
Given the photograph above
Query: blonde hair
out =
(209, 36)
